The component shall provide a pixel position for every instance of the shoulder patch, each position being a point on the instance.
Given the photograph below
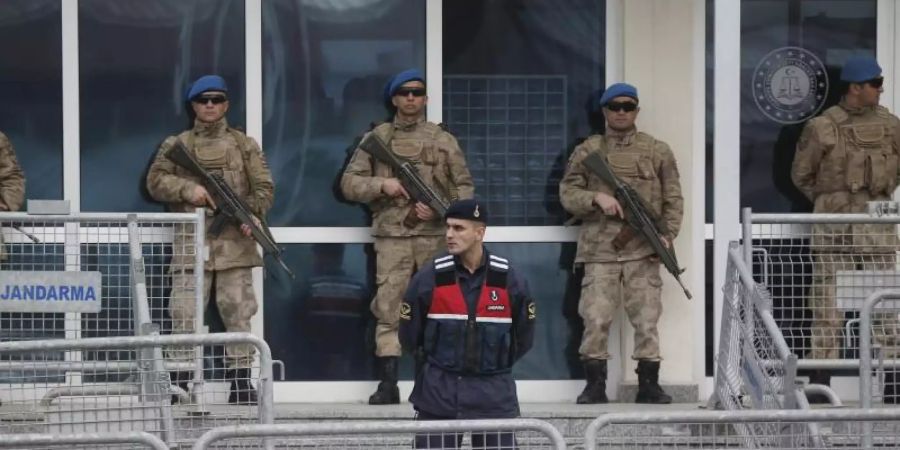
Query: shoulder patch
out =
(444, 127)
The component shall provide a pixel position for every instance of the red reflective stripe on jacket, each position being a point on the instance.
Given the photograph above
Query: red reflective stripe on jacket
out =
(493, 303)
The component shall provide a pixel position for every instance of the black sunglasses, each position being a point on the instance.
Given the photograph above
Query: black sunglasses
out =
(875, 82)
(215, 99)
(621, 106)
(416, 92)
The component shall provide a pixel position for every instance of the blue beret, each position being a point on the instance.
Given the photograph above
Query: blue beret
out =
(468, 209)
(403, 77)
(860, 68)
(617, 90)
(206, 83)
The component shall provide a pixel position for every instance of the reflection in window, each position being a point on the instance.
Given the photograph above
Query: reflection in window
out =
(137, 58)
(830, 31)
(518, 79)
(324, 69)
(321, 327)
(31, 89)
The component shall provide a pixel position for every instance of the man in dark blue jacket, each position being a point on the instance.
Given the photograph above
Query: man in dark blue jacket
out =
(469, 318)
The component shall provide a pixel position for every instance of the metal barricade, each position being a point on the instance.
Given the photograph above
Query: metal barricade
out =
(818, 270)
(123, 385)
(755, 369)
(87, 441)
(786, 429)
(95, 243)
(878, 351)
(500, 433)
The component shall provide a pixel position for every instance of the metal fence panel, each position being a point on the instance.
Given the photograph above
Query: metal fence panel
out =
(83, 441)
(837, 428)
(464, 434)
(818, 269)
(119, 386)
(98, 243)
(755, 368)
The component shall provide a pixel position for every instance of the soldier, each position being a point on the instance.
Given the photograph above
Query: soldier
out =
(12, 180)
(401, 249)
(232, 253)
(616, 266)
(846, 157)
(12, 183)
(469, 317)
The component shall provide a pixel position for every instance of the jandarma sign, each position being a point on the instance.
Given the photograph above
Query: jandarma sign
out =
(50, 291)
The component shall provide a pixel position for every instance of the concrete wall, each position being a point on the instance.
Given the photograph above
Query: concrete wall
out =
(660, 58)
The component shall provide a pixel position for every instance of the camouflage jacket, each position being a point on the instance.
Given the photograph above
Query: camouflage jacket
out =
(435, 155)
(845, 158)
(641, 161)
(12, 179)
(242, 164)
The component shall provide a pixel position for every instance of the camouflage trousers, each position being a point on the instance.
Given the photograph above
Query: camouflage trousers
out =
(396, 260)
(234, 298)
(604, 287)
(827, 326)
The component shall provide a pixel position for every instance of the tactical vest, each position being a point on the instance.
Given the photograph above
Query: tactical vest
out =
(635, 164)
(420, 148)
(470, 342)
(862, 157)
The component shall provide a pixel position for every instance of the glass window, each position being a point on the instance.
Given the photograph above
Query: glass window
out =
(791, 56)
(321, 327)
(519, 77)
(31, 89)
(324, 69)
(136, 59)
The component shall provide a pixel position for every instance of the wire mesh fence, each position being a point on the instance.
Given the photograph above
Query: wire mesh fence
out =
(93, 244)
(124, 384)
(755, 368)
(879, 371)
(787, 429)
(437, 435)
(819, 269)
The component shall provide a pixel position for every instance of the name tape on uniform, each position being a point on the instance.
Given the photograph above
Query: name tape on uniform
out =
(28, 291)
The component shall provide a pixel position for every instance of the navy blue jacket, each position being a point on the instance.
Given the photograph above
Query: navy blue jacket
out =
(459, 380)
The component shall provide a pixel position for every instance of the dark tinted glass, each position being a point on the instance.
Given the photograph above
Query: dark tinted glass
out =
(321, 327)
(325, 65)
(791, 56)
(31, 89)
(136, 59)
(519, 80)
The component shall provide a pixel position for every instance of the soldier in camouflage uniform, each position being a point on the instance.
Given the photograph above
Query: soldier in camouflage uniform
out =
(233, 253)
(845, 158)
(614, 270)
(12, 184)
(12, 180)
(400, 250)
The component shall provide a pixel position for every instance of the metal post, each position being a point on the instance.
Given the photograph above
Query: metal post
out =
(153, 375)
(747, 236)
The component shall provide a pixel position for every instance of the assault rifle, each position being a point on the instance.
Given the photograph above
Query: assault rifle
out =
(229, 207)
(409, 178)
(639, 216)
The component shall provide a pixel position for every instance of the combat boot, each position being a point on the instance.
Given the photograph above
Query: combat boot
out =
(819, 377)
(387, 393)
(242, 391)
(595, 389)
(649, 390)
(891, 392)
(180, 379)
